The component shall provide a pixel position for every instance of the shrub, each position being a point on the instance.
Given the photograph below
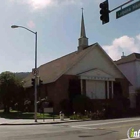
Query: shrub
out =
(65, 106)
(119, 108)
(82, 103)
(78, 117)
(98, 115)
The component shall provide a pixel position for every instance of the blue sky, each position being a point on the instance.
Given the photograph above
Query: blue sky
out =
(58, 25)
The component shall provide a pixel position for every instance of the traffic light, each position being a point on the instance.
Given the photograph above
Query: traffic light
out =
(33, 81)
(104, 12)
(40, 82)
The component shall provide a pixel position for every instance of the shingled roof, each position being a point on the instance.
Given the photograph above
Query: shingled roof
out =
(51, 71)
(129, 58)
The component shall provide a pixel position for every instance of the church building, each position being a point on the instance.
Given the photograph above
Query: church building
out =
(89, 71)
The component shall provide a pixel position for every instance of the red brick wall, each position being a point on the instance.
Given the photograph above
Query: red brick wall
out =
(98, 103)
(58, 90)
(125, 86)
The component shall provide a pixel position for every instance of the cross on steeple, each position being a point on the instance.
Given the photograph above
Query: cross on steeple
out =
(82, 9)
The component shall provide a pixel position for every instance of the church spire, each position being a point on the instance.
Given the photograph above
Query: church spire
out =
(83, 33)
(83, 40)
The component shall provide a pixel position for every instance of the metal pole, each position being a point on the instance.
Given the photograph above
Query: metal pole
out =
(35, 102)
(36, 73)
(120, 6)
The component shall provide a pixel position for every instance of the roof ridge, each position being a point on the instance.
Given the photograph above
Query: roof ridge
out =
(129, 58)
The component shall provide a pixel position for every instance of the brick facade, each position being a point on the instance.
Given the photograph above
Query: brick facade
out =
(58, 91)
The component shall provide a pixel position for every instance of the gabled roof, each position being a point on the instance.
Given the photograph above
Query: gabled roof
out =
(51, 71)
(114, 64)
(129, 58)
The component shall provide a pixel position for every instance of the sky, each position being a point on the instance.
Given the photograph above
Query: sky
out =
(57, 23)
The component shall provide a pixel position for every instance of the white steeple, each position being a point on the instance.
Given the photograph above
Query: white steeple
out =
(83, 40)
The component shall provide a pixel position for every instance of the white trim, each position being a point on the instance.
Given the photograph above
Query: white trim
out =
(97, 78)
(81, 81)
(107, 89)
(112, 89)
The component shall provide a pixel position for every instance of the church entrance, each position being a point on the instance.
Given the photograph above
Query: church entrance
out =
(74, 90)
(117, 90)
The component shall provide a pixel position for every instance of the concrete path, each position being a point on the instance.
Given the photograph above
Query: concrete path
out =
(32, 121)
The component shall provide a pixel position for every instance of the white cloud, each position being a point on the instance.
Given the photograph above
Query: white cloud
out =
(124, 44)
(37, 4)
(40, 4)
(31, 24)
(138, 37)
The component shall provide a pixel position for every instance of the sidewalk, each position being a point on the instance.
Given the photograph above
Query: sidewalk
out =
(32, 121)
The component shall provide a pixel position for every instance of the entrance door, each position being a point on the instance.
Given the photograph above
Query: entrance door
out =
(117, 90)
(74, 88)
(95, 89)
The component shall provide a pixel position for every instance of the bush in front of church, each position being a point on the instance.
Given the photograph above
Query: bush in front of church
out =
(81, 103)
(65, 106)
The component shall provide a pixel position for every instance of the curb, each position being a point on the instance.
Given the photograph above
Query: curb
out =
(43, 123)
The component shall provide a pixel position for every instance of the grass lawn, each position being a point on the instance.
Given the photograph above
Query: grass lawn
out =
(26, 115)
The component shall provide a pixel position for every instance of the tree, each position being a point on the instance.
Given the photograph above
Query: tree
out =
(10, 87)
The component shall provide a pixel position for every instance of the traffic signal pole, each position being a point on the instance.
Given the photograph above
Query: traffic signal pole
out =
(105, 10)
(120, 6)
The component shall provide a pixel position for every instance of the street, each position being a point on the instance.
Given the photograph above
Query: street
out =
(98, 130)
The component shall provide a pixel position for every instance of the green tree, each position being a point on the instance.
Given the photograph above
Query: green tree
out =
(10, 87)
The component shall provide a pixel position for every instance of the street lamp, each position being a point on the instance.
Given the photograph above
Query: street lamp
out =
(35, 88)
